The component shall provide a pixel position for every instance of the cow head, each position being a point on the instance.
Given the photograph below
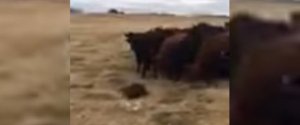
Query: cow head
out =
(128, 36)
(133, 39)
(204, 30)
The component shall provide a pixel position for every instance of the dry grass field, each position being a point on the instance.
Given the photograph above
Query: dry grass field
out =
(34, 73)
(265, 8)
(101, 63)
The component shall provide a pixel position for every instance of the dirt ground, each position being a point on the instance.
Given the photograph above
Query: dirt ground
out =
(101, 63)
(34, 73)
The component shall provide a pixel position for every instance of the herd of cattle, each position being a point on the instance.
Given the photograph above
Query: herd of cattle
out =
(264, 66)
(201, 51)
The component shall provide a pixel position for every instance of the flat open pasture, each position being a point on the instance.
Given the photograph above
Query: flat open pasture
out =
(264, 8)
(102, 63)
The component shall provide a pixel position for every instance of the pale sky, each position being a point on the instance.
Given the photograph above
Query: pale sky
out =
(182, 7)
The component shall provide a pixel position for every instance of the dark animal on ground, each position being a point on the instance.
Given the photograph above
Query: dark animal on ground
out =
(212, 60)
(266, 52)
(181, 49)
(146, 45)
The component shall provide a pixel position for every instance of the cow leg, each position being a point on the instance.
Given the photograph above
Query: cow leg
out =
(138, 60)
(169, 73)
(143, 73)
(177, 74)
(208, 70)
(173, 76)
(155, 71)
(155, 67)
(139, 65)
(138, 69)
(209, 75)
(146, 67)
(208, 79)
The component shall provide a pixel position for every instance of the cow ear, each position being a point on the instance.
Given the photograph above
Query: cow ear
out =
(159, 28)
(128, 34)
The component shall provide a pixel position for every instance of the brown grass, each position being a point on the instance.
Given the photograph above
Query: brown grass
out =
(264, 8)
(100, 56)
(33, 69)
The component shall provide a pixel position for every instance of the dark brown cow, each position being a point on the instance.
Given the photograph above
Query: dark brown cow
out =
(166, 55)
(258, 95)
(266, 52)
(179, 50)
(145, 46)
(247, 31)
(212, 60)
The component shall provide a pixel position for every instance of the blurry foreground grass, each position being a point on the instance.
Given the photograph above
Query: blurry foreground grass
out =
(34, 73)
